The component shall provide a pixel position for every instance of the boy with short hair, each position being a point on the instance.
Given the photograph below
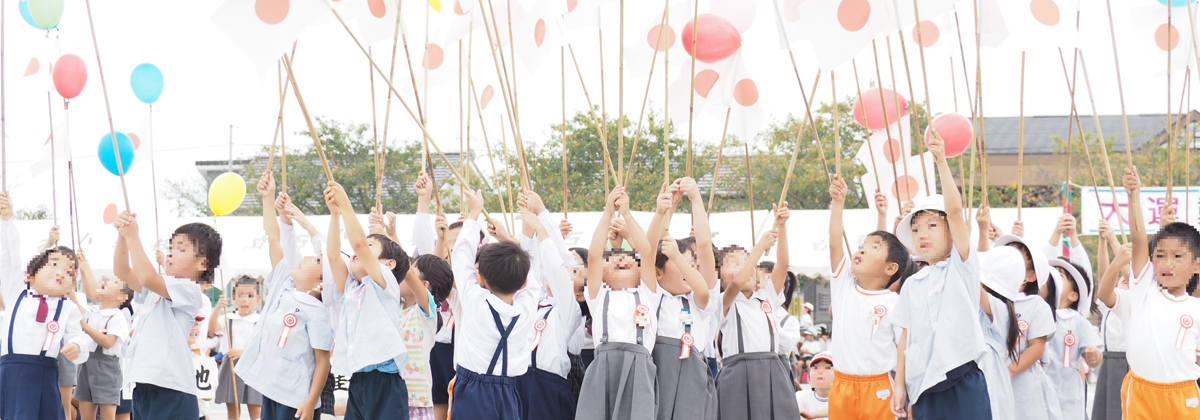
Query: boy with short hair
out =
(495, 341)
(814, 403)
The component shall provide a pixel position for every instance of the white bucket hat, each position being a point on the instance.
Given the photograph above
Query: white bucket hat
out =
(1041, 268)
(1085, 297)
(1003, 270)
(904, 229)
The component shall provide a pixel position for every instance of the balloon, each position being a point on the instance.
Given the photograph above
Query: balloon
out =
(955, 130)
(226, 193)
(70, 75)
(23, 7)
(875, 110)
(109, 160)
(46, 13)
(1176, 3)
(147, 82)
(718, 38)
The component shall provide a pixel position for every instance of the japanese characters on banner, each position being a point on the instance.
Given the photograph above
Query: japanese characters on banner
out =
(1153, 201)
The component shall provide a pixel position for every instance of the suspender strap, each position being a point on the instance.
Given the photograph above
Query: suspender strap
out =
(13, 318)
(741, 343)
(604, 319)
(658, 313)
(637, 301)
(57, 312)
(533, 354)
(687, 327)
(502, 345)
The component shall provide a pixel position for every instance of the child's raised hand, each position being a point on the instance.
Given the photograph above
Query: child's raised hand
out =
(1168, 215)
(1124, 255)
(266, 184)
(375, 222)
(768, 239)
(881, 202)
(907, 208)
(474, 200)
(565, 227)
(70, 351)
(619, 227)
(781, 213)
(160, 258)
(1018, 229)
(529, 219)
(339, 194)
(534, 201)
(222, 302)
(669, 247)
(983, 216)
(423, 186)
(439, 224)
(497, 230)
(610, 203)
(390, 223)
(837, 189)
(6, 212)
(689, 186)
(994, 232)
(937, 146)
(1130, 180)
(126, 224)
(53, 238)
(331, 202)
(664, 203)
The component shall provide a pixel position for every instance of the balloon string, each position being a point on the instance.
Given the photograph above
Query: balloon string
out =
(53, 160)
(712, 192)
(107, 107)
(904, 150)
(692, 90)
(871, 150)
(1100, 137)
(637, 134)
(887, 127)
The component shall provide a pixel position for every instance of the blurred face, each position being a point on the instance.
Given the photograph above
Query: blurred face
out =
(1030, 273)
(246, 296)
(620, 271)
(578, 273)
(111, 291)
(671, 279)
(452, 235)
(1069, 294)
(182, 260)
(871, 259)
(1174, 264)
(731, 264)
(307, 275)
(821, 375)
(194, 335)
(376, 248)
(931, 236)
(406, 292)
(56, 278)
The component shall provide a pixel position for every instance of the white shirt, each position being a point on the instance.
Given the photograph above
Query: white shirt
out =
(863, 325)
(478, 336)
(756, 329)
(424, 235)
(1034, 320)
(809, 401)
(561, 311)
(1082, 335)
(368, 329)
(622, 309)
(243, 328)
(1112, 330)
(672, 319)
(159, 353)
(112, 322)
(789, 337)
(1161, 338)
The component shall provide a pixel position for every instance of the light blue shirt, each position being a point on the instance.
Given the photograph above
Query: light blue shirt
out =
(994, 362)
(368, 328)
(159, 351)
(939, 306)
(285, 373)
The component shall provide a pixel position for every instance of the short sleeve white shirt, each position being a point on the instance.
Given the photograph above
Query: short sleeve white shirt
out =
(112, 322)
(808, 400)
(673, 319)
(159, 353)
(1161, 338)
(749, 326)
(619, 320)
(863, 325)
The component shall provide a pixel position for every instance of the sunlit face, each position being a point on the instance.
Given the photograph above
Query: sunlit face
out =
(307, 275)
(183, 260)
(246, 297)
(111, 291)
(194, 335)
(931, 236)
(376, 248)
(406, 292)
(1174, 263)
(671, 279)
(871, 258)
(1069, 294)
(821, 374)
(621, 271)
(56, 277)
(731, 264)
(578, 273)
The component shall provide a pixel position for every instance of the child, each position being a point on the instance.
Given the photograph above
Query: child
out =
(238, 325)
(494, 346)
(160, 359)
(1074, 338)
(1158, 315)
(621, 382)
(938, 363)
(428, 281)
(814, 403)
(287, 354)
(754, 383)
(99, 384)
(368, 344)
(42, 323)
(864, 307)
(1002, 276)
(1106, 405)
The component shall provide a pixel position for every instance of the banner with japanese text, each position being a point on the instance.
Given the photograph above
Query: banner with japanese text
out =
(1153, 201)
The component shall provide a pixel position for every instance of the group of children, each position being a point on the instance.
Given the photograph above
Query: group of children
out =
(500, 325)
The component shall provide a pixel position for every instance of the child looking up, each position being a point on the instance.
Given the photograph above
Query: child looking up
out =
(938, 363)
(100, 377)
(1075, 338)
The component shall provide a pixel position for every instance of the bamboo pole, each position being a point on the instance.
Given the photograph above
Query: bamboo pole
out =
(925, 81)
(887, 125)
(1021, 143)
(229, 341)
(486, 142)
(750, 188)
(837, 129)
(107, 107)
(53, 160)
(608, 164)
(1171, 126)
(712, 192)
(1072, 84)
(692, 88)
(981, 134)
(637, 134)
(397, 38)
(283, 89)
(1103, 145)
(896, 102)
(375, 138)
(507, 174)
(871, 150)
(3, 127)
(916, 124)
(312, 131)
(621, 98)
(1120, 89)
(563, 135)
(507, 90)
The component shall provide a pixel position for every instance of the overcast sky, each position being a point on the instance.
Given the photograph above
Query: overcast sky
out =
(211, 85)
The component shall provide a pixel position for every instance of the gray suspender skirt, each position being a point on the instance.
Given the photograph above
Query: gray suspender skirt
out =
(621, 383)
(755, 386)
(686, 391)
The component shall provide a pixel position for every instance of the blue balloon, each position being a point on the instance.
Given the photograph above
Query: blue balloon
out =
(109, 160)
(147, 82)
(1176, 3)
(23, 6)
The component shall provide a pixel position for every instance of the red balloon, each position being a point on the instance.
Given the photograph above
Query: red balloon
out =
(717, 38)
(956, 132)
(875, 111)
(70, 74)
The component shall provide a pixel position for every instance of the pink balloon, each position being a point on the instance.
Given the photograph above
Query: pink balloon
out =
(875, 110)
(717, 38)
(70, 75)
(956, 131)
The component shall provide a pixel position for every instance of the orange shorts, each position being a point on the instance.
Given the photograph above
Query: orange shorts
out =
(855, 397)
(1145, 400)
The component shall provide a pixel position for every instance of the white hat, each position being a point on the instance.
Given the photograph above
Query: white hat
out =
(808, 305)
(904, 229)
(1085, 297)
(1003, 270)
(1041, 268)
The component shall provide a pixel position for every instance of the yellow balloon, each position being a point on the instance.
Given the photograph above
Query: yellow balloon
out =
(226, 193)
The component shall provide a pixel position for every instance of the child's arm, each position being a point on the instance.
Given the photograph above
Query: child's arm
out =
(662, 205)
(705, 258)
(595, 265)
(418, 288)
(467, 246)
(881, 206)
(142, 272)
(1107, 237)
(983, 217)
(1137, 226)
(90, 284)
(216, 322)
(641, 244)
(530, 222)
(954, 205)
(104, 340)
(425, 240)
(1031, 355)
(749, 269)
(354, 231)
(320, 373)
(121, 267)
(837, 204)
(899, 391)
(266, 188)
(52, 239)
(1106, 290)
(779, 273)
(291, 249)
(670, 248)
(333, 253)
(10, 252)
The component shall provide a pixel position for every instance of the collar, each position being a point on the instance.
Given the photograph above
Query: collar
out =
(109, 311)
(1173, 298)
(818, 397)
(1066, 313)
(306, 299)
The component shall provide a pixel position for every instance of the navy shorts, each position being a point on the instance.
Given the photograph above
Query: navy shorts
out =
(478, 396)
(441, 368)
(272, 410)
(966, 399)
(377, 395)
(155, 402)
(125, 407)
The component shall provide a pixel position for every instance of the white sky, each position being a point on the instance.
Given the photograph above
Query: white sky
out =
(211, 85)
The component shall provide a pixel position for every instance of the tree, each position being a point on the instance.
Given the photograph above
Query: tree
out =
(37, 213)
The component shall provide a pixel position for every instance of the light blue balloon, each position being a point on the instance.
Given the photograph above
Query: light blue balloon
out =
(147, 82)
(109, 160)
(23, 6)
(1176, 3)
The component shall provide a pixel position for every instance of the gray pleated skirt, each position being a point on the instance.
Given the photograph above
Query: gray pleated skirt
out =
(245, 394)
(685, 389)
(100, 379)
(68, 372)
(1106, 405)
(620, 384)
(756, 386)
